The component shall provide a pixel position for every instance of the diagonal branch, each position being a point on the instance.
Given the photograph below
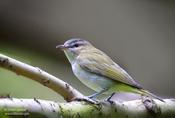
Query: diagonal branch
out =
(44, 78)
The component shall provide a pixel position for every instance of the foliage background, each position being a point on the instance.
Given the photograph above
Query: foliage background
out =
(137, 34)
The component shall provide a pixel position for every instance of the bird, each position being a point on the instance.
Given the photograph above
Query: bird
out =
(98, 71)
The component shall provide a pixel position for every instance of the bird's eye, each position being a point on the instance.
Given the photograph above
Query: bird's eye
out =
(76, 45)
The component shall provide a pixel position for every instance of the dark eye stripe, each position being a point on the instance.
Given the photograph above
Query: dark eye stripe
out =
(76, 41)
(77, 44)
(73, 42)
(74, 45)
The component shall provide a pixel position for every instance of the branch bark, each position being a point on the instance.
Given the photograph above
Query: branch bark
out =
(68, 92)
(36, 107)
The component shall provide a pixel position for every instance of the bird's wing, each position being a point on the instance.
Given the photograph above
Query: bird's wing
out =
(100, 63)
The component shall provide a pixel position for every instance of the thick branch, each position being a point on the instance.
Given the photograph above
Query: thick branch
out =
(35, 73)
(131, 109)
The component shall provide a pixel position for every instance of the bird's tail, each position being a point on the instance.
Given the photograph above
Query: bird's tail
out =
(147, 93)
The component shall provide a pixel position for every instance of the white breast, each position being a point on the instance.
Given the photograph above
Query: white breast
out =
(91, 80)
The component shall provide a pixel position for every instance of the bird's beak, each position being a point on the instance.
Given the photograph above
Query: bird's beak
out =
(61, 47)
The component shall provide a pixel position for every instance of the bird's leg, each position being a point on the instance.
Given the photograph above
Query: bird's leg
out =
(96, 94)
(91, 99)
(109, 99)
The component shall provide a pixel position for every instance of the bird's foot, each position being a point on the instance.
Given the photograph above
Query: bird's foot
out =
(92, 98)
(150, 105)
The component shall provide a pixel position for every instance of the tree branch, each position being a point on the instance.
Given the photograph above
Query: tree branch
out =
(44, 78)
(131, 109)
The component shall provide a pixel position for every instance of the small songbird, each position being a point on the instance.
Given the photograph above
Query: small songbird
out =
(98, 71)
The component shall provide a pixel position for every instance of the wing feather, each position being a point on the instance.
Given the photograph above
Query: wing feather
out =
(105, 66)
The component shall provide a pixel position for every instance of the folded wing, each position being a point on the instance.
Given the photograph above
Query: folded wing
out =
(99, 63)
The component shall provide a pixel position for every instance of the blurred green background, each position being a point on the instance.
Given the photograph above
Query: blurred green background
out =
(137, 34)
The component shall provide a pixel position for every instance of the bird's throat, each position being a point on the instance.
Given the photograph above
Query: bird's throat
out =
(70, 56)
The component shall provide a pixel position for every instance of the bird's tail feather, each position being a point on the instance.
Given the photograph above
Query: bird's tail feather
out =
(147, 93)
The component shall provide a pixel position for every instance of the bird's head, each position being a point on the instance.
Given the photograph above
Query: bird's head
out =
(73, 47)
